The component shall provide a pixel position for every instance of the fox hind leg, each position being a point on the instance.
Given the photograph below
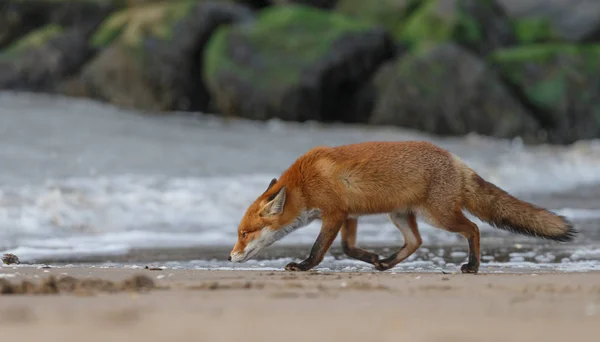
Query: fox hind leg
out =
(349, 244)
(470, 231)
(406, 222)
(456, 222)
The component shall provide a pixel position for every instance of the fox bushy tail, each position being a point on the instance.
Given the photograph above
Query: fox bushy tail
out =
(498, 208)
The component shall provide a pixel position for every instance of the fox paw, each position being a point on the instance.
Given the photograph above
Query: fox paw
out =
(292, 266)
(381, 266)
(469, 268)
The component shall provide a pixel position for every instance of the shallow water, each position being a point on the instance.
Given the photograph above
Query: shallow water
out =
(86, 181)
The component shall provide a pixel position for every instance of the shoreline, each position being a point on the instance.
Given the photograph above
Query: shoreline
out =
(495, 256)
(299, 306)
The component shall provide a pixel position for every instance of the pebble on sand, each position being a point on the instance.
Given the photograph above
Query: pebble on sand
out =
(10, 259)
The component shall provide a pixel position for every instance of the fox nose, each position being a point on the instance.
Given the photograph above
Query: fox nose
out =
(229, 258)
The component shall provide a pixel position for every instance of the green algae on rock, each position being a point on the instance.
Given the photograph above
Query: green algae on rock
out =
(445, 89)
(294, 62)
(44, 42)
(562, 81)
(34, 39)
(19, 17)
(480, 25)
(571, 21)
(535, 30)
(43, 58)
(391, 14)
(133, 25)
(154, 53)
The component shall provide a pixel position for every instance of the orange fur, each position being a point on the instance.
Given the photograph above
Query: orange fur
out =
(403, 179)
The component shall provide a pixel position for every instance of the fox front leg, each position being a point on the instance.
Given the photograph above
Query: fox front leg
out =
(328, 233)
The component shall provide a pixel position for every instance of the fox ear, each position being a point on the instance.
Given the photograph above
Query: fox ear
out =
(275, 205)
(273, 181)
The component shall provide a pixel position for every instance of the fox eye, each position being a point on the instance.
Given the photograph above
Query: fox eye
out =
(244, 234)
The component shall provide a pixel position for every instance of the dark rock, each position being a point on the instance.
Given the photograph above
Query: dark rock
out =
(295, 63)
(255, 4)
(445, 89)
(322, 4)
(8, 75)
(43, 58)
(12, 23)
(561, 82)
(83, 15)
(152, 55)
(574, 21)
(261, 4)
(19, 17)
(480, 25)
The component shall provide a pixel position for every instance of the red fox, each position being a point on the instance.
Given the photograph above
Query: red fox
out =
(402, 179)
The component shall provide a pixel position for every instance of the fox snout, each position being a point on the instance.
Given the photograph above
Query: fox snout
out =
(237, 254)
(237, 257)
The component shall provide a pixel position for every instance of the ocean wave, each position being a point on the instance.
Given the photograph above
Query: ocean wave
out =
(113, 215)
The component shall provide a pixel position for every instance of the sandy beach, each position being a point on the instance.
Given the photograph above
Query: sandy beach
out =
(196, 305)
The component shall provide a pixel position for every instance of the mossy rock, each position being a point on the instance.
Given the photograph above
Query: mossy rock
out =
(295, 63)
(12, 25)
(555, 20)
(562, 81)
(392, 14)
(443, 88)
(535, 30)
(151, 54)
(32, 40)
(133, 25)
(138, 20)
(43, 58)
(19, 17)
(84, 15)
(480, 25)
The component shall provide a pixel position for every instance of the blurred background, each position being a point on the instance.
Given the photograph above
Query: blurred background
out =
(141, 130)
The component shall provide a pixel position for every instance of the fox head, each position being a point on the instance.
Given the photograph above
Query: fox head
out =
(267, 220)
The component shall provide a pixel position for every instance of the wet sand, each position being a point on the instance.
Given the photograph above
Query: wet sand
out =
(195, 305)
